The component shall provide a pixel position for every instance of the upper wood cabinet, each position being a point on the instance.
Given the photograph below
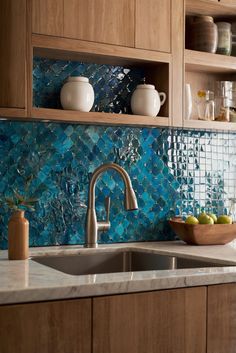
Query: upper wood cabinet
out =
(47, 17)
(144, 24)
(153, 322)
(153, 25)
(105, 21)
(49, 327)
(13, 54)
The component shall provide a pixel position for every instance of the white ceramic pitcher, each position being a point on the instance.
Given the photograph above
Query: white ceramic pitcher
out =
(146, 100)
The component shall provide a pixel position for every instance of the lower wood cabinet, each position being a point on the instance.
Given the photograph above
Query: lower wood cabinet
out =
(49, 327)
(221, 330)
(186, 320)
(169, 321)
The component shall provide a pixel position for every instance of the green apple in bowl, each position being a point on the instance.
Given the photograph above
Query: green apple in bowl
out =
(203, 218)
(191, 220)
(224, 219)
(213, 216)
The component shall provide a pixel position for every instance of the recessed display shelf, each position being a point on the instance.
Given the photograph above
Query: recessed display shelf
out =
(113, 86)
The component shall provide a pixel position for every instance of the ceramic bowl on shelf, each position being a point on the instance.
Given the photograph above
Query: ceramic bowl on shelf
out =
(203, 234)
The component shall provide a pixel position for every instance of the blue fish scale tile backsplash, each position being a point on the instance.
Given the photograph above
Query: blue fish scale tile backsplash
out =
(173, 171)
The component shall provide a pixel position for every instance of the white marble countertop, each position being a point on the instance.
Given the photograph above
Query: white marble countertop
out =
(28, 281)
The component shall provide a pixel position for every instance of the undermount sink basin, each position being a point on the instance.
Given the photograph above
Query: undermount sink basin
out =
(122, 261)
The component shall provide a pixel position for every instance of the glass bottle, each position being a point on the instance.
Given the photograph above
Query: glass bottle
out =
(206, 105)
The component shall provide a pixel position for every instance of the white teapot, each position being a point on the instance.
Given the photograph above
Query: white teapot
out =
(146, 100)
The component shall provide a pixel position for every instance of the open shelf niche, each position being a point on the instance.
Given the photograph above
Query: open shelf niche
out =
(113, 78)
(203, 69)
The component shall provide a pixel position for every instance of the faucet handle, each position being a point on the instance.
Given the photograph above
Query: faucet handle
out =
(107, 207)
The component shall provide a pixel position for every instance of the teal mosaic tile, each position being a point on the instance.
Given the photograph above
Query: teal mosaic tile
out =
(173, 172)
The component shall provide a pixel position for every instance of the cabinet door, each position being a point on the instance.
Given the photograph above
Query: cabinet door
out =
(13, 54)
(153, 322)
(47, 17)
(221, 333)
(105, 21)
(48, 327)
(153, 25)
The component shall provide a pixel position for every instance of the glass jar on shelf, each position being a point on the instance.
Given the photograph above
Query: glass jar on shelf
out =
(225, 100)
(205, 105)
(224, 45)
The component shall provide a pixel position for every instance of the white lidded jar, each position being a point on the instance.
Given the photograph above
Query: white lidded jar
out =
(146, 100)
(77, 94)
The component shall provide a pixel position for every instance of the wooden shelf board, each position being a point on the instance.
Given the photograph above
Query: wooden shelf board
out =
(209, 125)
(215, 9)
(207, 62)
(73, 49)
(97, 118)
(13, 112)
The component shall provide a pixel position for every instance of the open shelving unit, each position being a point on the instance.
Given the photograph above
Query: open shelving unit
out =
(206, 62)
(203, 69)
(156, 65)
(138, 38)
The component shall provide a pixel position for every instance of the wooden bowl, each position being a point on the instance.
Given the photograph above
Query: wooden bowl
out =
(204, 234)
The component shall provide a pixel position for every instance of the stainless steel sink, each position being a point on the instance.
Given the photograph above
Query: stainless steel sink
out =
(122, 261)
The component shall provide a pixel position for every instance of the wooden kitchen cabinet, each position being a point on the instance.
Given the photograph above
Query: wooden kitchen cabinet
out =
(153, 322)
(186, 320)
(118, 22)
(105, 21)
(221, 322)
(13, 57)
(94, 31)
(48, 327)
(47, 17)
(90, 20)
(155, 17)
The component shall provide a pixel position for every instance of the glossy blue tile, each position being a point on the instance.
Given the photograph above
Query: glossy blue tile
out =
(173, 171)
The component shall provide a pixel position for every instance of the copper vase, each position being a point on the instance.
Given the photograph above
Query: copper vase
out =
(18, 236)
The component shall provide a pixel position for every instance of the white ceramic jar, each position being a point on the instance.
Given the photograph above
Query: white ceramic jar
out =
(77, 94)
(146, 100)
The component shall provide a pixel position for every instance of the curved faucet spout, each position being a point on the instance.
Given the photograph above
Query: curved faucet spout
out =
(92, 225)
